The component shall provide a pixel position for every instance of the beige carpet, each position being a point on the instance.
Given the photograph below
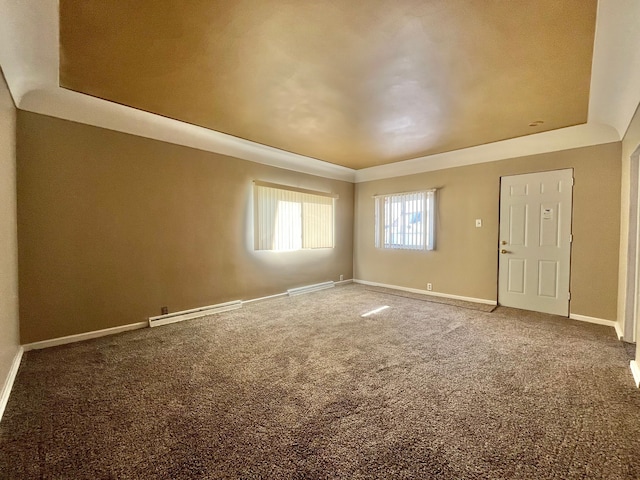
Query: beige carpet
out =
(306, 388)
(429, 298)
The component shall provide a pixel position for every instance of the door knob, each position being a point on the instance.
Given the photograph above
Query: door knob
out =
(503, 251)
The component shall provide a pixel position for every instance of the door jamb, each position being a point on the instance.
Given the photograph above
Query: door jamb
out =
(631, 304)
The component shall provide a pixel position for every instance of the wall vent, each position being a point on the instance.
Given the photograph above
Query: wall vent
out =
(193, 313)
(310, 288)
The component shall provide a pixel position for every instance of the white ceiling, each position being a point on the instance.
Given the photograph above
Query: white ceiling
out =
(29, 57)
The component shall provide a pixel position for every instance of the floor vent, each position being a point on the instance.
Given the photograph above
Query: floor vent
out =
(310, 288)
(193, 313)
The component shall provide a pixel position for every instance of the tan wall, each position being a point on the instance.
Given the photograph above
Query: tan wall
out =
(113, 226)
(465, 261)
(9, 340)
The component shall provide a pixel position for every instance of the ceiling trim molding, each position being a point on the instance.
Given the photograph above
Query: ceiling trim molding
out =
(78, 107)
(615, 71)
(585, 135)
(29, 57)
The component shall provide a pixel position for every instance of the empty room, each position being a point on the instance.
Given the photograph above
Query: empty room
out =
(319, 239)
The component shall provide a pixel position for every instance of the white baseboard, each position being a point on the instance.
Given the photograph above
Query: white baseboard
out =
(597, 321)
(635, 370)
(8, 383)
(83, 336)
(285, 294)
(135, 326)
(194, 313)
(268, 297)
(427, 292)
(619, 331)
(310, 288)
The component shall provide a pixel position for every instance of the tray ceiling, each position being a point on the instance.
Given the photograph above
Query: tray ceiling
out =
(357, 84)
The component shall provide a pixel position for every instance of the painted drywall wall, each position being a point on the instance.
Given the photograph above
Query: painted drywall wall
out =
(630, 145)
(9, 339)
(112, 227)
(466, 260)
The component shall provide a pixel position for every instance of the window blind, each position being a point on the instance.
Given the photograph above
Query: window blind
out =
(292, 219)
(405, 220)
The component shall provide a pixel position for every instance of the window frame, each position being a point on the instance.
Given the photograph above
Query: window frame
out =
(425, 199)
(293, 192)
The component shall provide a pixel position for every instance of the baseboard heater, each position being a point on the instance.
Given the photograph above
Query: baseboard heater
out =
(193, 313)
(310, 288)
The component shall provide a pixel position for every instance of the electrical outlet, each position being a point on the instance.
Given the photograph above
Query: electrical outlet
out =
(429, 286)
(341, 278)
(164, 310)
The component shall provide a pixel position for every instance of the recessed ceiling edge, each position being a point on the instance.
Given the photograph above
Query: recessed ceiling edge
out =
(29, 57)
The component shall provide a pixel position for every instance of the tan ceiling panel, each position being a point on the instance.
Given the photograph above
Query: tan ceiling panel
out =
(353, 83)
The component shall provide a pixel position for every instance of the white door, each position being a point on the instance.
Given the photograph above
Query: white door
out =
(535, 241)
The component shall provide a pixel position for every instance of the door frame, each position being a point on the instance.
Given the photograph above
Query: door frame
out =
(632, 293)
(570, 230)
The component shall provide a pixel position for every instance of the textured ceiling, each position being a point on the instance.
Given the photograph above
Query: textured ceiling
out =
(353, 83)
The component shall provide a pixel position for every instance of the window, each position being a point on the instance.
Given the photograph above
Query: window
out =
(406, 220)
(288, 218)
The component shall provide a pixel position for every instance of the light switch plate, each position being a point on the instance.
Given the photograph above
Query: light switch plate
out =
(478, 222)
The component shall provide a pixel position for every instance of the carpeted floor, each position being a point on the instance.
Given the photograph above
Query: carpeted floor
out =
(429, 298)
(306, 388)
(630, 348)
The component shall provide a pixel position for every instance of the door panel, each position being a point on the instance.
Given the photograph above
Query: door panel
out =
(518, 215)
(548, 279)
(549, 226)
(535, 241)
(517, 269)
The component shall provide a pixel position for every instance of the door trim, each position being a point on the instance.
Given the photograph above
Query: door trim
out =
(630, 319)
